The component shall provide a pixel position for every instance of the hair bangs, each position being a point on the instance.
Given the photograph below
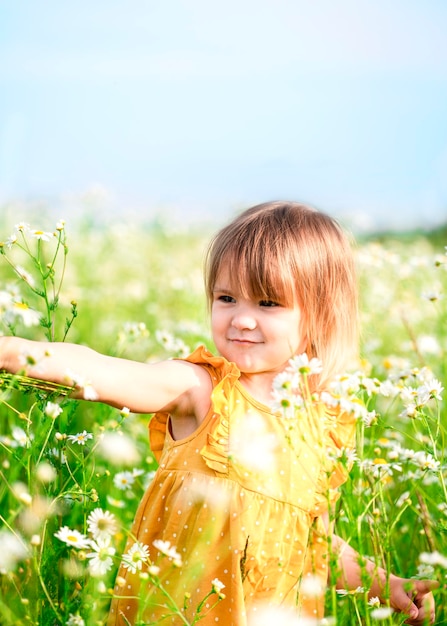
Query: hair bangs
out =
(255, 261)
(260, 275)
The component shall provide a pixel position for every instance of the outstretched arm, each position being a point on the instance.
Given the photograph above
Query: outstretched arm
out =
(413, 597)
(142, 387)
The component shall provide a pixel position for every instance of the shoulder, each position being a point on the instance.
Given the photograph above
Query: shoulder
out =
(182, 375)
(201, 362)
(208, 372)
(191, 381)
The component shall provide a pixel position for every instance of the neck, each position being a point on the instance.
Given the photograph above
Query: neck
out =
(259, 386)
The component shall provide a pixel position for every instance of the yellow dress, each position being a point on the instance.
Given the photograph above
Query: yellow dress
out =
(241, 501)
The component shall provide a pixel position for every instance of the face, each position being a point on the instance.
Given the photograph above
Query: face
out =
(260, 336)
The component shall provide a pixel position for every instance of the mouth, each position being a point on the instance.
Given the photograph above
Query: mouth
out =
(244, 342)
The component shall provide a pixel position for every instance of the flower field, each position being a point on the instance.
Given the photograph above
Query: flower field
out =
(73, 472)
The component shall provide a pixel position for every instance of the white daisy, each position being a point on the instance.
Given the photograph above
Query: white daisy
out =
(27, 315)
(101, 524)
(12, 239)
(52, 410)
(101, 556)
(119, 504)
(302, 363)
(80, 438)
(382, 613)
(20, 436)
(162, 546)
(22, 227)
(170, 551)
(433, 388)
(137, 555)
(72, 537)
(42, 235)
(124, 480)
(26, 276)
(425, 461)
(425, 571)
(217, 585)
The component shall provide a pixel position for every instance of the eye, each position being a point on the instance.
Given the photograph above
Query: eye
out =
(224, 298)
(268, 303)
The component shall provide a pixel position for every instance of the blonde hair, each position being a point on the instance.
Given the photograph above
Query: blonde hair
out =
(293, 254)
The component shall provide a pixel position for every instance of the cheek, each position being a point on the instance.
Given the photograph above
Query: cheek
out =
(216, 322)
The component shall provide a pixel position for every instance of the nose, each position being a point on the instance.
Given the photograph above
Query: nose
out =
(243, 319)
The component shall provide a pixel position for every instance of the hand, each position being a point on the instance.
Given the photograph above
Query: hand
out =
(415, 598)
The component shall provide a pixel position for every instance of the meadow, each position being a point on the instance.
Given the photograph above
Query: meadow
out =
(72, 472)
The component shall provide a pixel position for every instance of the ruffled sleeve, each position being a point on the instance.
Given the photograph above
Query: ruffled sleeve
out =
(339, 442)
(216, 450)
(157, 433)
(223, 374)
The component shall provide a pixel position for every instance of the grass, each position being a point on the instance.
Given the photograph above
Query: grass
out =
(136, 291)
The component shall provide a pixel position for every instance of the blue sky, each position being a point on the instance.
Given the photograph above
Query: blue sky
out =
(198, 108)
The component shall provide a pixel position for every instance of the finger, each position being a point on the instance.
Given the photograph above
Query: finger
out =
(421, 620)
(422, 611)
(424, 586)
(425, 600)
(420, 593)
(426, 606)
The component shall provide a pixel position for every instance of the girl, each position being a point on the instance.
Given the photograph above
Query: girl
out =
(251, 528)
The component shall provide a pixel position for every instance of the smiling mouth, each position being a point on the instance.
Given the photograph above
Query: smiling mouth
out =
(244, 341)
